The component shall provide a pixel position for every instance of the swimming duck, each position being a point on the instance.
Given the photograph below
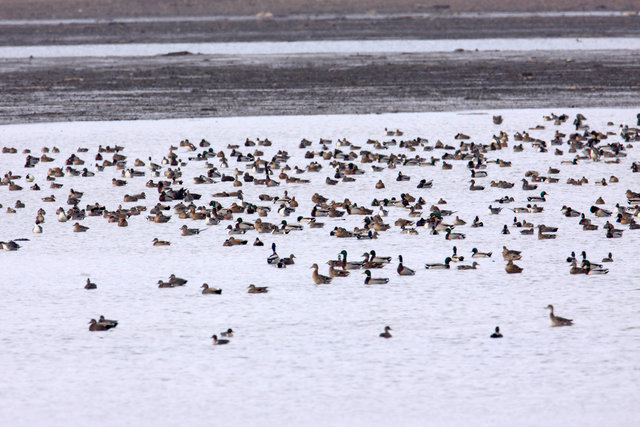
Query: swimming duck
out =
(511, 255)
(333, 272)
(207, 290)
(77, 228)
(253, 289)
(258, 242)
(374, 281)
(162, 284)
(379, 259)
(157, 242)
(102, 326)
(349, 265)
(439, 266)
(232, 241)
(454, 236)
(592, 269)
(90, 285)
(455, 257)
(386, 333)
(542, 236)
(273, 259)
(538, 199)
(402, 270)
(318, 278)
(497, 333)
(177, 281)
(511, 268)
(557, 320)
(505, 230)
(477, 254)
(216, 341)
(186, 231)
(575, 269)
(608, 258)
(473, 266)
(227, 333)
(37, 229)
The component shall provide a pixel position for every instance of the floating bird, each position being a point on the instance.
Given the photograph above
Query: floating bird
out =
(177, 281)
(386, 333)
(253, 289)
(101, 326)
(319, 279)
(374, 281)
(402, 270)
(473, 266)
(216, 341)
(557, 320)
(228, 333)
(497, 333)
(273, 259)
(90, 285)
(477, 254)
(157, 242)
(511, 255)
(439, 266)
(207, 290)
(511, 268)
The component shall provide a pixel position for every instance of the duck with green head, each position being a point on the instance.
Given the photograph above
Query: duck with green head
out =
(439, 266)
(374, 281)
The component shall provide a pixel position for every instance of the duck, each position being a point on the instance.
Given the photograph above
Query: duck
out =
(386, 333)
(473, 266)
(37, 229)
(333, 272)
(455, 257)
(186, 231)
(227, 333)
(575, 269)
(439, 266)
(374, 281)
(511, 255)
(572, 257)
(216, 341)
(258, 242)
(478, 254)
(402, 270)
(496, 333)
(253, 289)
(207, 290)
(273, 259)
(232, 241)
(162, 284)
(608, 258)
(349, 265)
(101, 326)
(157, 242)
(592, 269)
(511, 268)
(379, 259)
(77, 228)
(557, 320)
(542, 236)
(541, 198)
(454, 236)
(318, 278)
(177, 281)
(90, 285)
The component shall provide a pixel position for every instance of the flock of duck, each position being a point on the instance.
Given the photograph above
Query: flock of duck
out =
(239, 212)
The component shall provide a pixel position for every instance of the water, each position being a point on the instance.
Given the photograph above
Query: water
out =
(307, 354)
(318, 47)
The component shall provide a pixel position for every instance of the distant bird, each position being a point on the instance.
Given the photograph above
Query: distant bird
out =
(253, 289)
(386, 333)
(273, 259)
(319, 279)
(207, 290)
(90, 285)
(497, 333)
(216, 341)
(102, 326)
(374, 281)
(228, 333)
(177, 281)
(157, 242)
(477, 254)
(186, 231)
(557, 320)
(439, 266)
(402, 270)
(511, 268)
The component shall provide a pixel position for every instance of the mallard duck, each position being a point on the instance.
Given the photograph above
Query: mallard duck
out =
(402, 270)
(557, 320)
(273, 259)
(592, 269)
(608, 258)
(541, 198)
(379, 259)
(333, 272)
(497, 333)
(473, 266)
(575, 269)
(511, 255)
(374, 281)
(253, 289)
(439, 266)
(455, 257)
(348, 265)
(477, 254)
(386, 333)
(511, 268)
(319, 279)
(454, 236)
(216, 341)
(207, 290)
(367, 263)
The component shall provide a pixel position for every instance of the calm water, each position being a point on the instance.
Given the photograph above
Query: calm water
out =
(307, 354)
(317, 47)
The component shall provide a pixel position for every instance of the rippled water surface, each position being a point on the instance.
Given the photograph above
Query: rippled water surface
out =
(306, 354)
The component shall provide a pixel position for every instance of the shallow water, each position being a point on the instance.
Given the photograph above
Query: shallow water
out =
(307, 354)
(317, 47)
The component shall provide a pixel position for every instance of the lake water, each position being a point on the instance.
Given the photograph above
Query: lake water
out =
(306, 354)
(319, 47)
